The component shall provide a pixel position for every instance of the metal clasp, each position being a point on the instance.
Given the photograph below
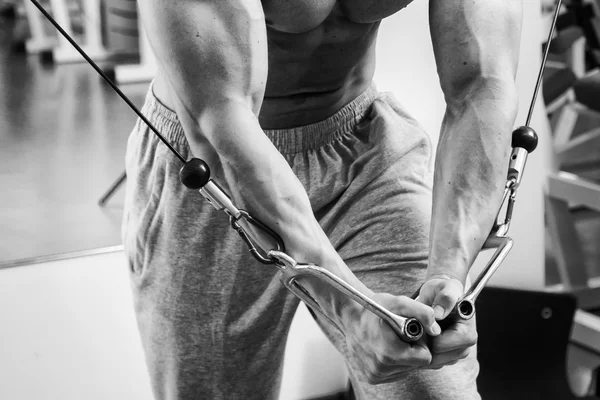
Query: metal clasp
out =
(222, 202)
(219, 199)
(501, 226)
(260, 254)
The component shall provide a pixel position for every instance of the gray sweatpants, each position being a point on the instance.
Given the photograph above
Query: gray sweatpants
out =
(213, 321)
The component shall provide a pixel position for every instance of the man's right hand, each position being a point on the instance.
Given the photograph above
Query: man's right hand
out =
(382, 356)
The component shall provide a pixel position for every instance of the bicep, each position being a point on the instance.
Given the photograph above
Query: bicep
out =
(474, 41)
(211, 51)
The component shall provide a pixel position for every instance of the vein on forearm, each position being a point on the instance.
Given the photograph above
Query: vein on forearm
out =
(470, 174)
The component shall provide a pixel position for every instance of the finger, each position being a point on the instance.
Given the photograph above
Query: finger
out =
(428, 290)
(446, 298)
(410, 308)
(460, 335)
(436, 367)
(395, 352)
(416, 294)
(382, 348)
(449, 358)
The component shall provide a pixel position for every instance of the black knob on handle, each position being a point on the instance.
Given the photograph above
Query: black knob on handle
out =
(195, 174)
(525, 137)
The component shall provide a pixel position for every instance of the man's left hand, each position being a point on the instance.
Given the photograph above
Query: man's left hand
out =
(458, 336)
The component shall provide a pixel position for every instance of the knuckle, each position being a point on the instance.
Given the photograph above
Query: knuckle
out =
(404, 301)
(428, 316)
(472, 338)
(446, 297)
(419, 360)
(421, 311)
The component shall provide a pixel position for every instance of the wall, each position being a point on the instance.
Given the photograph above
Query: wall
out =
(68, 333)
(406, 67)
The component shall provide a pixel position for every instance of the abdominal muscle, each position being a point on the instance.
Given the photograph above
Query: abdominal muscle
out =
(314, 69)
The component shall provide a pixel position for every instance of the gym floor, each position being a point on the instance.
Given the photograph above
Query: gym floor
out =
(63, 135)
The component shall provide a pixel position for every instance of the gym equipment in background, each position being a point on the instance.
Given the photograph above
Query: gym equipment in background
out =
(89, 12)
(141, 71)
(569, 90)
(524, 345)
(108, 29)
(42, 36)
(120, 27)
(572, 91)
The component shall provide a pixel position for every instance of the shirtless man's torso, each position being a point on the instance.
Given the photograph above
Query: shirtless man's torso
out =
(277, 97)
(321, 56)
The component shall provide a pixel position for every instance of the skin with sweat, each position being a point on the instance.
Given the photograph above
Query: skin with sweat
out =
(231, 68)
(321, 55)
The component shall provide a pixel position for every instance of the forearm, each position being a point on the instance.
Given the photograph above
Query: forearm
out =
(470, 175)
(259, 180)
(213, 54)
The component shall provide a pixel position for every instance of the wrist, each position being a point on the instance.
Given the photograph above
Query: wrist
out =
(439, 278)
(309, 244)
(338, 306)
(450, 268)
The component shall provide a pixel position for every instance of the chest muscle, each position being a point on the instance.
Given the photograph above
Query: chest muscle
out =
(298, 16)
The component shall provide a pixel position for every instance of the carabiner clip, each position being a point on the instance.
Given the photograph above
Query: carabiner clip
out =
(195, 174)
(257, 252)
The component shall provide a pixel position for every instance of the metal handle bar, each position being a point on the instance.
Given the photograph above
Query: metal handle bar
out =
(407, 329)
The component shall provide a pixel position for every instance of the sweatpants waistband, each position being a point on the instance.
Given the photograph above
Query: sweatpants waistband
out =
(287, 141)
